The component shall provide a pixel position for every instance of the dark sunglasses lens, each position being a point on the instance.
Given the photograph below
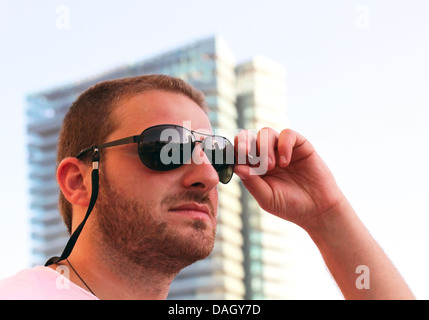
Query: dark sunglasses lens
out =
(220, 152)
(224, 172)
(164, 148)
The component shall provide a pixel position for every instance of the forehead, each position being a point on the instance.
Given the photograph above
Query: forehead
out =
(151, 108)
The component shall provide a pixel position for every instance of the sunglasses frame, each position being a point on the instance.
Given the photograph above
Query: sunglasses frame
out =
(137, 139)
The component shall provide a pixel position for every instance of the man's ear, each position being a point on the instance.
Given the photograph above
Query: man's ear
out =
(74, 181)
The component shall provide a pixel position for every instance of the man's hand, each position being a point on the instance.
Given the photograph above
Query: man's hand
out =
(297, 185)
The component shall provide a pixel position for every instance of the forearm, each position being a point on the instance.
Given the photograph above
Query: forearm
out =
(358, 264)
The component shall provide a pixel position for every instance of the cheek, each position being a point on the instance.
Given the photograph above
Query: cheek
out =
(141, 187)
(129, 176)
(214, 196)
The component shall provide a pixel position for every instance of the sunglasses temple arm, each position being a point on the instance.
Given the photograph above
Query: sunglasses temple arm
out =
(72, 240)
(132, 139)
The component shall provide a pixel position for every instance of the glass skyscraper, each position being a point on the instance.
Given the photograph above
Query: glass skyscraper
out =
(268, 253)
(251, 246)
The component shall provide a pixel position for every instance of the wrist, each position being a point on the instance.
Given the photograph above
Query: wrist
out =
(332, 221)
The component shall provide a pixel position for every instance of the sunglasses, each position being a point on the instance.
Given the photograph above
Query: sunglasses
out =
(167, 147)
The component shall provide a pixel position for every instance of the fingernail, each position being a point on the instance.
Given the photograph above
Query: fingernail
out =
(283, 160)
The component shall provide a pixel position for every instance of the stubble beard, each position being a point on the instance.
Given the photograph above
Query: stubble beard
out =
(130, 233)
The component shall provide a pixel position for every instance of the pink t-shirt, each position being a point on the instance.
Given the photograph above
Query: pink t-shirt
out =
(42, 283)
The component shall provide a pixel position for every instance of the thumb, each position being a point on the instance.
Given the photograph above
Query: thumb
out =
(257, 186)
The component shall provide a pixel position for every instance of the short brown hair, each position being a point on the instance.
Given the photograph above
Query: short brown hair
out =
(88, 121)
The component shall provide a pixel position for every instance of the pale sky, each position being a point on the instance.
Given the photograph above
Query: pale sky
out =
(358, 89)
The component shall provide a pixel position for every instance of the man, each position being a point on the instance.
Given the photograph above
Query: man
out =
(152, 218)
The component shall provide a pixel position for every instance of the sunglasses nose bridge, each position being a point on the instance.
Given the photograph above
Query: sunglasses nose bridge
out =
(201, 148)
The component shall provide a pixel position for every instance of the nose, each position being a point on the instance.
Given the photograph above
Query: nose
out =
(199, 172)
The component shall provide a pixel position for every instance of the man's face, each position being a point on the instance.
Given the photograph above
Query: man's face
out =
(152, 218)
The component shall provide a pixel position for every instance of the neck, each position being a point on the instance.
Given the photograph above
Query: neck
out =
(112, 278)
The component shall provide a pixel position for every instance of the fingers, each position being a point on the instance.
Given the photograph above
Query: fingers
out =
(243, 142)
(268, 148)
(256, 155)
(286, 143)
(292, 147)
(257, 150)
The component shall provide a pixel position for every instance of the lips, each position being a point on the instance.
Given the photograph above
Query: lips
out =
(192, 209)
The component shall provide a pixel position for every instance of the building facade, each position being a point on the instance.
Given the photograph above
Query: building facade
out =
(237, 96)
(268, 251)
